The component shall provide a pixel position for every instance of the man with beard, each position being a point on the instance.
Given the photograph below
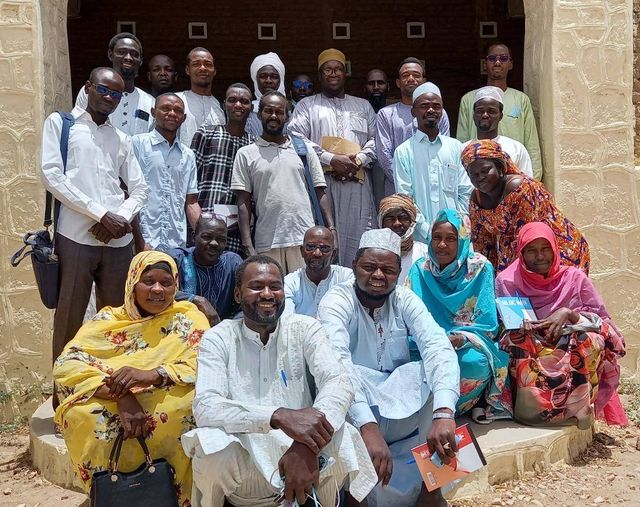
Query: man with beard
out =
(327, 120)
(270, 173)
(215, 148)
(207, 271)
(376, 89)
(201, 107)
(162, 74)
(261, 427)
(518, 121)
(301, 87)
(133, 114)
(427, 166)
(396, 124)
(305, 287)
(169, 168)
(267, 73)
(487, 113)
(398, 403)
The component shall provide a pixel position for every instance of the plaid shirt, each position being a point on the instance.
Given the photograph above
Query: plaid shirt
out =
(215, 149)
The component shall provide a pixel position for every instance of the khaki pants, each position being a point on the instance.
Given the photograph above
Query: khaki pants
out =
(289, 258)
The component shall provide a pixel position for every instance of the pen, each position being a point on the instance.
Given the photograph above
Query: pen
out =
(284, 377)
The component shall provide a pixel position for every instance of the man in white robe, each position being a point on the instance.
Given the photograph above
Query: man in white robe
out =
(270, 406)
(332, 113)
(398, 404)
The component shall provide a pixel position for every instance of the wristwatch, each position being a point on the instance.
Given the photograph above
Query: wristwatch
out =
(442, 415)
(165, 376)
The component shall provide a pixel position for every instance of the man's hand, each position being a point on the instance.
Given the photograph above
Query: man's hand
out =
(101, 233)
(378, 451)
(299, 467)
(457, 340)
(132, 417)
(127, 377)
(442, 438)
(344, 167)
(207, 308)
(116, 224)
(308, 426)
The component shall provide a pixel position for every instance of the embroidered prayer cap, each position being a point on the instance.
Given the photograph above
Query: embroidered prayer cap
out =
(489, 92)
(331, 54)
(381, 238)
(427, 87)
(262, 60)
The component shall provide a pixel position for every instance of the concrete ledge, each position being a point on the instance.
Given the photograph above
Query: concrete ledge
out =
(511, 449)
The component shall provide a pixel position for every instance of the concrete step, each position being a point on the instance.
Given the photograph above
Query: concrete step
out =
(510, 449)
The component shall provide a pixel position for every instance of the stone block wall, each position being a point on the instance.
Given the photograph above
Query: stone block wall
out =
(636, 75)
(34, 81)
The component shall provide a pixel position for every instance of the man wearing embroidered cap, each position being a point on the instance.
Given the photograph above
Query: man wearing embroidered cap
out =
(487, 113)
(398, 403)
(342, 130)
(267, 73)
(427, 166)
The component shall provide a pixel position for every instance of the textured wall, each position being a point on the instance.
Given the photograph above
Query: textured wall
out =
(34, 80)
(636, 75)
(578, 70)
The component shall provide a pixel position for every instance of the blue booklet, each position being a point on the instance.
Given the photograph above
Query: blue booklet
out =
(514, 310)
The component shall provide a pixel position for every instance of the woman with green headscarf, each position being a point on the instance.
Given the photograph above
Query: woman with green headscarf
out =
(456, 285)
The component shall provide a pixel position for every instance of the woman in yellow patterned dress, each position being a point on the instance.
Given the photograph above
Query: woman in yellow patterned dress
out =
(132, 367)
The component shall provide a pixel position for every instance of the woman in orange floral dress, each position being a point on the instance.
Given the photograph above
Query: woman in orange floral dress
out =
(132, 368)
(504, 200)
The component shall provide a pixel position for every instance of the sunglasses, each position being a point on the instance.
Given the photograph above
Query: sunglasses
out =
(500, 58)
(311, 247)
(307, 85)
(103, 90)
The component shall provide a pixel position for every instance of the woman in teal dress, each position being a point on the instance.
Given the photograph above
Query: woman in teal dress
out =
(456, 285)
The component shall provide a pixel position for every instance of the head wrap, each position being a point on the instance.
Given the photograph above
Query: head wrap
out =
(487, 149)
(427, 87)
(331, 54)
(489, 92)
(259, 62)
(403, 202)
(528, 233)
(385, 239)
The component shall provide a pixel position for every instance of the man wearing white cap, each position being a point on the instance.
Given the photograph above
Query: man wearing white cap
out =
(341, 129)
(487, 113)
(267, 73)
(398, 403)
(427, 166)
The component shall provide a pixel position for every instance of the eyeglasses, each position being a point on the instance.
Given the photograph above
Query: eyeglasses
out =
(311, 247)
(104, 90)
(206, 215)
(327, 71)
(307, 85)
(500, 58)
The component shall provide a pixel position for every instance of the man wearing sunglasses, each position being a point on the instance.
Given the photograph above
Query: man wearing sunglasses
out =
(301, 87)
(133, 113)
(517, 122)
(93, 232)
(305, 287)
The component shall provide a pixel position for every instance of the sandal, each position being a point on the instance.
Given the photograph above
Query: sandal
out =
(479, 416)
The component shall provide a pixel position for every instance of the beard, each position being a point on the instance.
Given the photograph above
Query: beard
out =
(251, 312)
(372, 297)
(273, 131)
(378, 101)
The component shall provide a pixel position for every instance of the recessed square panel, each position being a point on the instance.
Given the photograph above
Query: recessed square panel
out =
(342, 30)
(415, 30)
(488, 29)
(483, 67)
(197, 30)
(266, 31)
(127, 26)
(347, 67)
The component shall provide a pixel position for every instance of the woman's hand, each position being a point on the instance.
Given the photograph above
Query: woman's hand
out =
(127, 377)
(457, 340)
(132, 417)
(553, 324)
(207, 308)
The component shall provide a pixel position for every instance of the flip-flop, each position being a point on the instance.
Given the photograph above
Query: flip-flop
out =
(479, 417)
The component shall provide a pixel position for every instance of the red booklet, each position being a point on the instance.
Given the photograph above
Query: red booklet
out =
(468, 459)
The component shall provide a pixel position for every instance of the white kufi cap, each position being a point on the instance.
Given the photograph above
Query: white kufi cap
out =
(489, 92)
(381, 238)
(427, 87)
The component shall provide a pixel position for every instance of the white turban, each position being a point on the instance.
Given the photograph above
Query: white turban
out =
(489, 92)
(381, 238)
(259, 62)
(427, 87)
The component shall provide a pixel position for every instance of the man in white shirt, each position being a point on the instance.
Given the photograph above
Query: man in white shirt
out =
(270, 405)
(200, 106)
(305, 287)
(398, 403)
(487, 113)
(133, 113)
(271, 173)
(93, 233)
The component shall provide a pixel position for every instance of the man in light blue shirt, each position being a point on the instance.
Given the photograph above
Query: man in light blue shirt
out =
(169, 168)
(427, 166)
(305, 287)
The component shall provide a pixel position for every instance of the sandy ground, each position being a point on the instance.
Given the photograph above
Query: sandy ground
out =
(608, 473)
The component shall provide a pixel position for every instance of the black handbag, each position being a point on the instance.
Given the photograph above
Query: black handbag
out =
(152, 483)
(46, 266)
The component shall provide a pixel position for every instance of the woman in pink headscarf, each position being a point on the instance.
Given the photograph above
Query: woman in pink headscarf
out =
(567, 359)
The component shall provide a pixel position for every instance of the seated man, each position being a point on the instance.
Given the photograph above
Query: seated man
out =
(305, 287)
(263, 432)
(207, 271)
(398, 403)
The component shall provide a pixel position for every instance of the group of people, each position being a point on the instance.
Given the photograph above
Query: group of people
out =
(314, 289)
